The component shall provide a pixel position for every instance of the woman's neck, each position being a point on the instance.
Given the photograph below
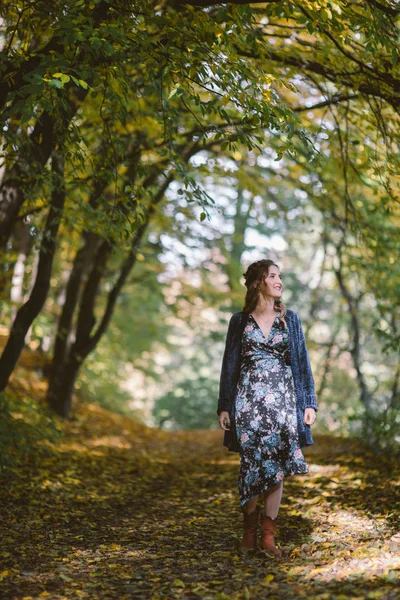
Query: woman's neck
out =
(265, 307)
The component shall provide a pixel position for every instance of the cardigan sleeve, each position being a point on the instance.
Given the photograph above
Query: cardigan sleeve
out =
(230, 364)
(310, 400)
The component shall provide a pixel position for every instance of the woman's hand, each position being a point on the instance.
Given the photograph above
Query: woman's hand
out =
(224, 420)
(309, 416)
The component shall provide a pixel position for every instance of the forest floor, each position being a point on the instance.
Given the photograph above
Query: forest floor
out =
(114, 509)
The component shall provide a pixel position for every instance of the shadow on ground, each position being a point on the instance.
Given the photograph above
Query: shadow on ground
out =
(122, 511)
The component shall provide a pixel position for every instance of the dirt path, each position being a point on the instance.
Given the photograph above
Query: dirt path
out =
(122, 511)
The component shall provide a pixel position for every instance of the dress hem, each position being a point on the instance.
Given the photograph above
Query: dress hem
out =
(262, 490)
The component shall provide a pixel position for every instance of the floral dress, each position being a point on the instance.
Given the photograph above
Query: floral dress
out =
(266, 420)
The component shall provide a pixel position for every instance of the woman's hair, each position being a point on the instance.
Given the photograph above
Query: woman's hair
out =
(253, 277)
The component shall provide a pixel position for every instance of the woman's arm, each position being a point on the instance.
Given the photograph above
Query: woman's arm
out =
(307, 378)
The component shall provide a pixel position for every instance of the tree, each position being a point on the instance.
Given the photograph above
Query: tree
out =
(128, 94)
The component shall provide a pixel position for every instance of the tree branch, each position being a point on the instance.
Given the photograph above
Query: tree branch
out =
(205, 3)
(329, 102)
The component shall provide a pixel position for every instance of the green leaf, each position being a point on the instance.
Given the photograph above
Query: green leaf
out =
(176, 90)
(173, 92)
(56, 83)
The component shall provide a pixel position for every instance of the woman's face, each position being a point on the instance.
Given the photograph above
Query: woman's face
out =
(272, 283)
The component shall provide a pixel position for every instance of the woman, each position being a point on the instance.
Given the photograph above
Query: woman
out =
(267, 401)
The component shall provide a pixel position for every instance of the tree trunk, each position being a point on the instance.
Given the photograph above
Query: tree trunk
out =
(234, 256)
(80, 267)
(355, 350)
(13, 266)
(63, 387)
(29, 311)
(394, 403)
(68, 362)
(327, 364)
(21, 246)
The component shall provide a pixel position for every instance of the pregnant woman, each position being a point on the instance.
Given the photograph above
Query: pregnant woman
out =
(267, 401)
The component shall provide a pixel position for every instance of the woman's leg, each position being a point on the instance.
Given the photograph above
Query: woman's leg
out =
(250, 522)
(272, 500)
(250, 505)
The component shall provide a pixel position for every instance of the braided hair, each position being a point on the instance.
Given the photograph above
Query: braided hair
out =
(253, 277)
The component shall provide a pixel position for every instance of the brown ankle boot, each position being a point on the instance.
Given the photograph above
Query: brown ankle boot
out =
(250, 521)
(268, 527)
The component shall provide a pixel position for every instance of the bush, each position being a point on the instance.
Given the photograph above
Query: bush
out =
(24, 425)
(380, 428)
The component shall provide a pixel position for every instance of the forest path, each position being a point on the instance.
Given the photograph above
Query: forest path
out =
(118, 510)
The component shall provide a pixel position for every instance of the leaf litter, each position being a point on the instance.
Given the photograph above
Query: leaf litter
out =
(120, 510)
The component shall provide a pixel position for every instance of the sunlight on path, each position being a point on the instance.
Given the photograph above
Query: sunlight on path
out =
(122, 511)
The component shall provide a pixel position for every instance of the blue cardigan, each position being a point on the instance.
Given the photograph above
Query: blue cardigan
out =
(298, 359)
